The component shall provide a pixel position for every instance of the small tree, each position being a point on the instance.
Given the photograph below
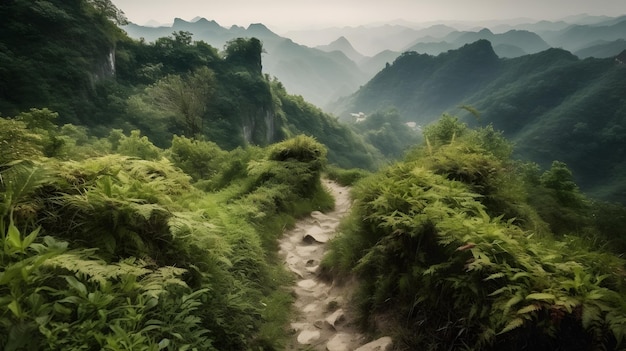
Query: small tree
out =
(186, 98)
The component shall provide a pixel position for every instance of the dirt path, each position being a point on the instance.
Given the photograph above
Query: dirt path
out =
(323, 322)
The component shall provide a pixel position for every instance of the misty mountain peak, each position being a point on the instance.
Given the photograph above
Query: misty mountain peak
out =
(343, 44)
(479, 49)
(204, 21)
(179, 21)
(259, 29)
(341, 41)
(485, 31)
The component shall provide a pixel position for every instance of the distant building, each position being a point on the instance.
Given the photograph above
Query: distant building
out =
(414, 126)
(359, 117)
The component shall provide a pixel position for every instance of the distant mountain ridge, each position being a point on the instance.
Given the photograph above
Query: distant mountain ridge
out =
(317, 75)
(349, 56)
(342, 44)
(552, 104)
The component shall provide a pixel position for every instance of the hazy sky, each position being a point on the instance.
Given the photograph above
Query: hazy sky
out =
(296, 14)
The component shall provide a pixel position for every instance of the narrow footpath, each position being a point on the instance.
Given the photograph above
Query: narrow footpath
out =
(323, 321)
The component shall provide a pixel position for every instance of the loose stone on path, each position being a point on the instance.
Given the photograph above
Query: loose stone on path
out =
(322, 323)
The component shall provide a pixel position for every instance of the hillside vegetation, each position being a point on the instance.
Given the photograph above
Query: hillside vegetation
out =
(120, 245)
(315, 74)
(143, 186)
(459, 247)
(173, 85)
(552, 105)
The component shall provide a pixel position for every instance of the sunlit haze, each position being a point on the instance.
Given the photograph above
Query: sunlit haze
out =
(297, 14)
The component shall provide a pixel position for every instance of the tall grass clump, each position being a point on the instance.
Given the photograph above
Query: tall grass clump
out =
(152, 250)
(451, 254)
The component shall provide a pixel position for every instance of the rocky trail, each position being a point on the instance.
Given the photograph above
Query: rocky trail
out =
(323, 321)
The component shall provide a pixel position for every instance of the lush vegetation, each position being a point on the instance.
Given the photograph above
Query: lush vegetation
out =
(172, 86)
(110, 245)
(460, 247)
(387, 132)
(143, 187)
(553, 105)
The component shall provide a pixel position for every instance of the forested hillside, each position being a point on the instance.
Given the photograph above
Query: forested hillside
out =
(315, 74)
(553, 105)
(459, 247)
(173, 85)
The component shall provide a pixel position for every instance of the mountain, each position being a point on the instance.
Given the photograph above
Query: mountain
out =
(578, 37)
(372, 65)
(535, 27)
(422, 86)
(513, 43)
(552, 104)
(585, 19)
(342, 44)
(602, 49)
(371, 40)
(318, 75)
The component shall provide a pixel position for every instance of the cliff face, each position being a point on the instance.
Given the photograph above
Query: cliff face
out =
(259, 128)
(53, 53)
(104, 68)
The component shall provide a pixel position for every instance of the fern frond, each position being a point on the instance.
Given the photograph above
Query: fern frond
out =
(514, 324)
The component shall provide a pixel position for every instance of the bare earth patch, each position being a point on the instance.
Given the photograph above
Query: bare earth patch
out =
(323, 321)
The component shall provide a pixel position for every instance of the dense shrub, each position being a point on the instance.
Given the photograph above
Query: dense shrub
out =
(450, 255)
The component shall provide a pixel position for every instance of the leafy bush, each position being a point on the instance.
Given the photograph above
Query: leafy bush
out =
(445, 261)
(345, 177)
(135, 257)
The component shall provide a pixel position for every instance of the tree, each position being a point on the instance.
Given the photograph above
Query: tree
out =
(245, 52)
(186, 98)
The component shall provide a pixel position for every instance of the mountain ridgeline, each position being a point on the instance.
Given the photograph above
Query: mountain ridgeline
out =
(552, 104)
(317, 75)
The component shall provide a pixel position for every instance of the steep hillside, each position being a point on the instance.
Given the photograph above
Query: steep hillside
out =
(513, 43)
(552, 104)
(319, 76)
(171, 86)
(422, 86)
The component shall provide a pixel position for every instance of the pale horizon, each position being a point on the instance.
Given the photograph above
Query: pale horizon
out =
(289, 15)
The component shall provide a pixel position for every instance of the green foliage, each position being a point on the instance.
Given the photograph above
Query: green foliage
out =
(123, 253)
(387, 133)
(554, 105)
(445, 131)
(246, 52)
(52, 43)
(199, 159)
(345, 148)
(451, 255)
(17, 142)
(138, 146)
(186, 98)
(345, 177)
